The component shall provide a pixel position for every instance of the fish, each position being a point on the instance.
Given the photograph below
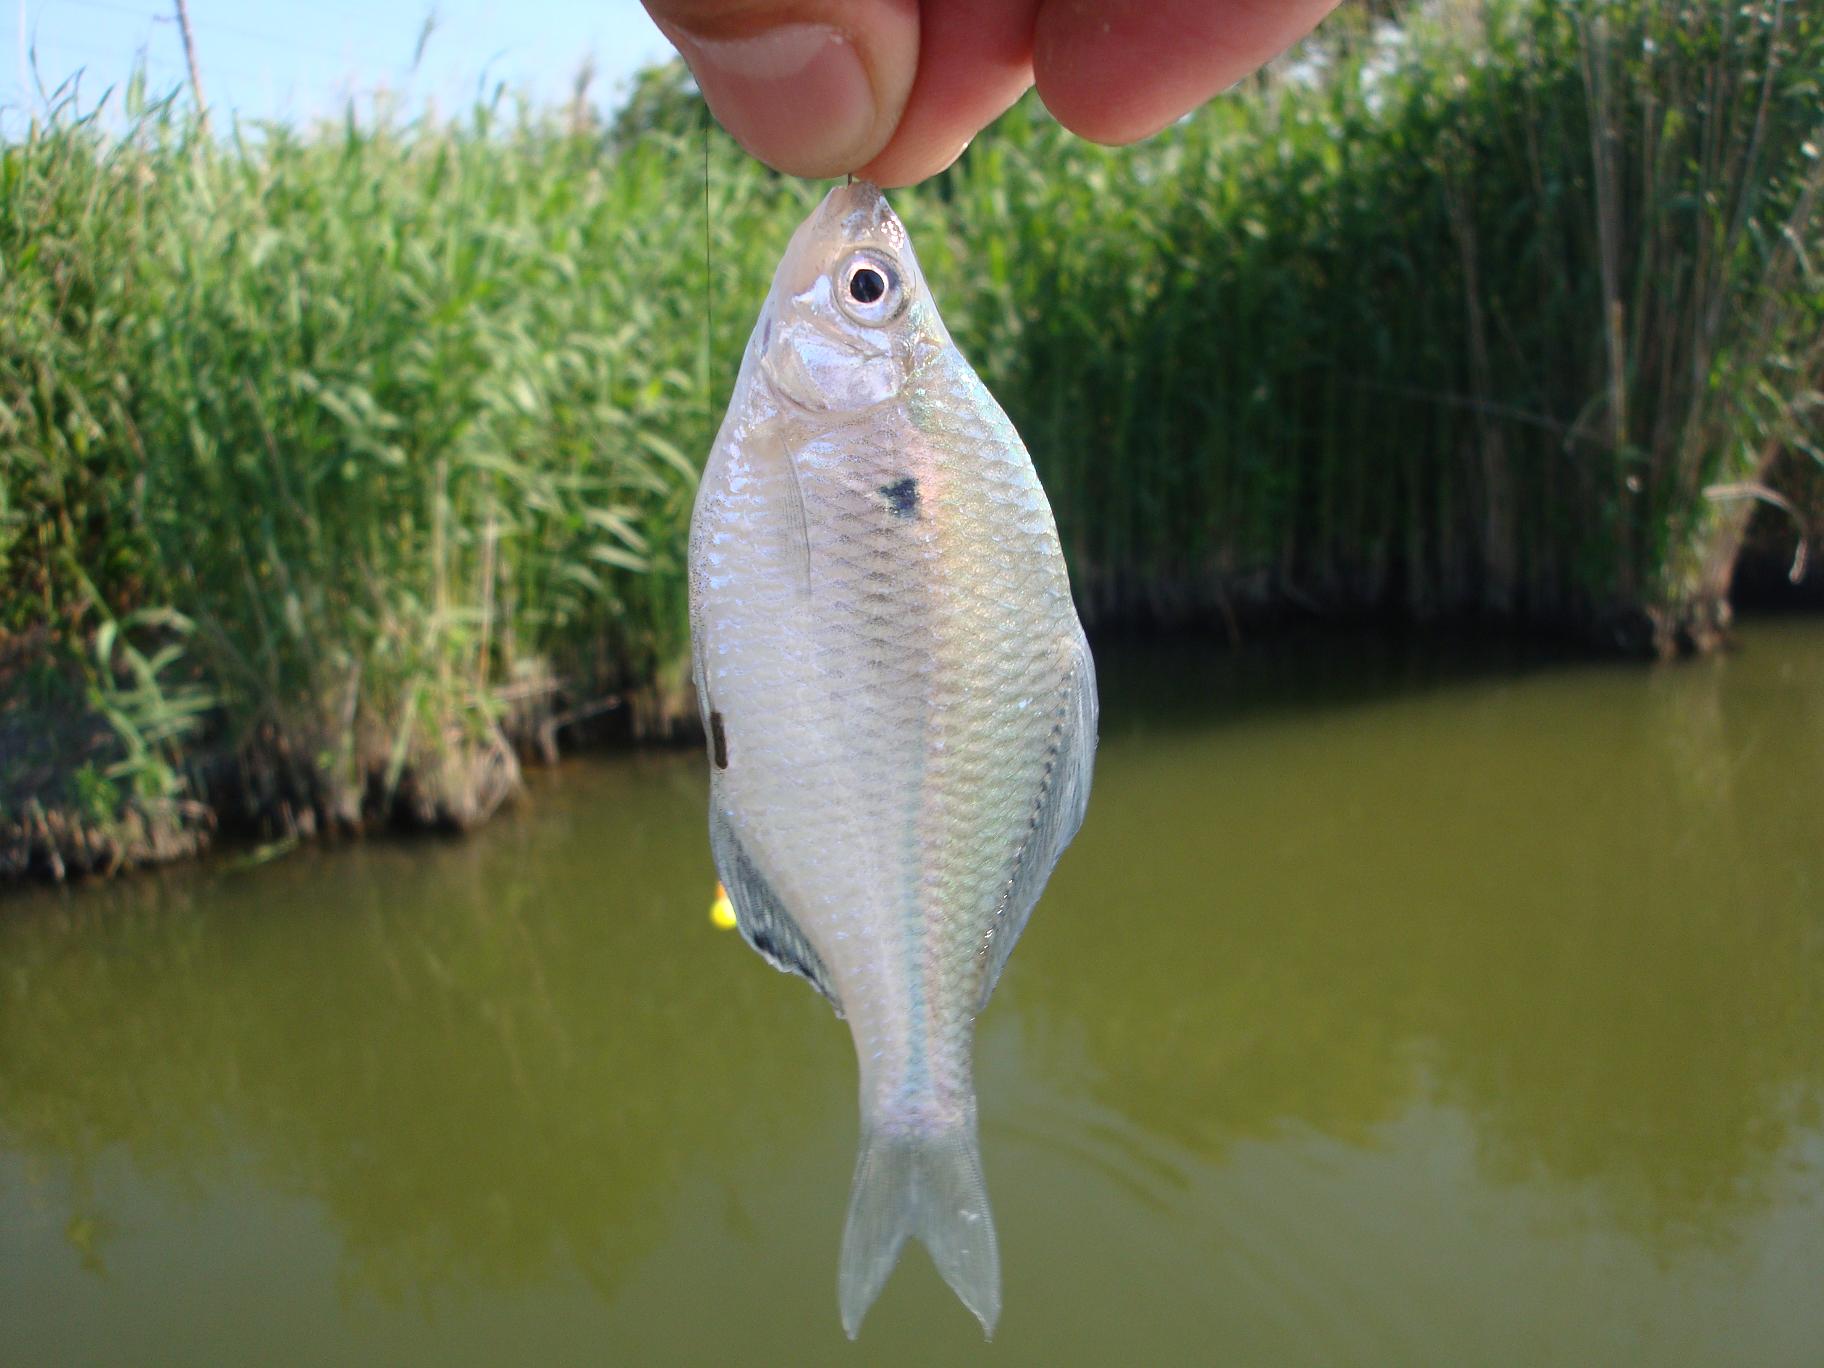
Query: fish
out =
(900, 707)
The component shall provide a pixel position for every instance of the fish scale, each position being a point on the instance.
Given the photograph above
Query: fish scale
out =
(884, 641)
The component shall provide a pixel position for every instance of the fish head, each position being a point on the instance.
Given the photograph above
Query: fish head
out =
(849, 319)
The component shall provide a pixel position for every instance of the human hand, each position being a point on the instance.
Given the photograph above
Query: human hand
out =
(893, 90)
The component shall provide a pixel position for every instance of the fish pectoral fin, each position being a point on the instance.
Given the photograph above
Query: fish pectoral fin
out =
(1057, 810)
(798, 524)
(762, 918)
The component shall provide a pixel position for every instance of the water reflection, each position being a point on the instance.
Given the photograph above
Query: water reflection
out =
(1582, 905)
(484, 1059)
(1336, 921)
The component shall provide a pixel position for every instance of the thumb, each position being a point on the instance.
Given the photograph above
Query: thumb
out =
(810, 87)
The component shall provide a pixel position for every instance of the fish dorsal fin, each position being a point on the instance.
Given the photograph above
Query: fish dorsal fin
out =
(764, 922)
(1057, 810)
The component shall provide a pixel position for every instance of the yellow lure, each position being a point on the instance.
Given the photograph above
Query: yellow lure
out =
(722, 911)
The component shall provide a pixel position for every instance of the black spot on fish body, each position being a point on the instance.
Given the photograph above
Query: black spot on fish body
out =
(902, 497)
(718, 741)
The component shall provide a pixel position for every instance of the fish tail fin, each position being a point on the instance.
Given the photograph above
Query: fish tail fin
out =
(926, 1183)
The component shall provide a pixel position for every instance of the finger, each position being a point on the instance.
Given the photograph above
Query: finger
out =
(1118, 70)
(974, 60)
(810, 87)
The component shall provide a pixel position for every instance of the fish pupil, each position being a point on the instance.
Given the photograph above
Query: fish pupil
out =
(867, 285)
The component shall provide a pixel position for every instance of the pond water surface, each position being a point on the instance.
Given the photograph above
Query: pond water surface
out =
(1395, 1006)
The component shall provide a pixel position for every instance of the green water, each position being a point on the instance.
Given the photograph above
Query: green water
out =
(1394, 1007)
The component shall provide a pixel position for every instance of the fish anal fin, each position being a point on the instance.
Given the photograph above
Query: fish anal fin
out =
(762, 918)
(1057, 811)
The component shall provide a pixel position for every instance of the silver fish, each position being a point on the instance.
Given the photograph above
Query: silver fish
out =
(900, 705)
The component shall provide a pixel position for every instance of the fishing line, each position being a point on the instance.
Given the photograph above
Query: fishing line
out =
(709, 293)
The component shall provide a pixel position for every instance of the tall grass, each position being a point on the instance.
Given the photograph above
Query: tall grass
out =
(405, 419)
(1458, 317)
(1504, 311)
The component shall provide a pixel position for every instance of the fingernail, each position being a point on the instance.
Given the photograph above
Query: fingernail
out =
(796, 96)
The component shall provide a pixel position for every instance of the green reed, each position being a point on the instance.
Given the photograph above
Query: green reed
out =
(1464, 317)
(405, 419)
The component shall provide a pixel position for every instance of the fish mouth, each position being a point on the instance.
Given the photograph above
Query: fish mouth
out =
(858, 212)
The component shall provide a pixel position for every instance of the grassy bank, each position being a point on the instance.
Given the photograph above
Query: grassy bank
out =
(340, 468)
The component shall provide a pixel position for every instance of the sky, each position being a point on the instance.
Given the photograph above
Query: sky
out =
(297, 60)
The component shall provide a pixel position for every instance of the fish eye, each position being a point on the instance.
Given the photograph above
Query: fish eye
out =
(869, 288)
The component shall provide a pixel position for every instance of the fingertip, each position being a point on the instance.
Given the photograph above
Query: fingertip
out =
(1116, 71)
(975, 60)
(897, 167)
(812, 89)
